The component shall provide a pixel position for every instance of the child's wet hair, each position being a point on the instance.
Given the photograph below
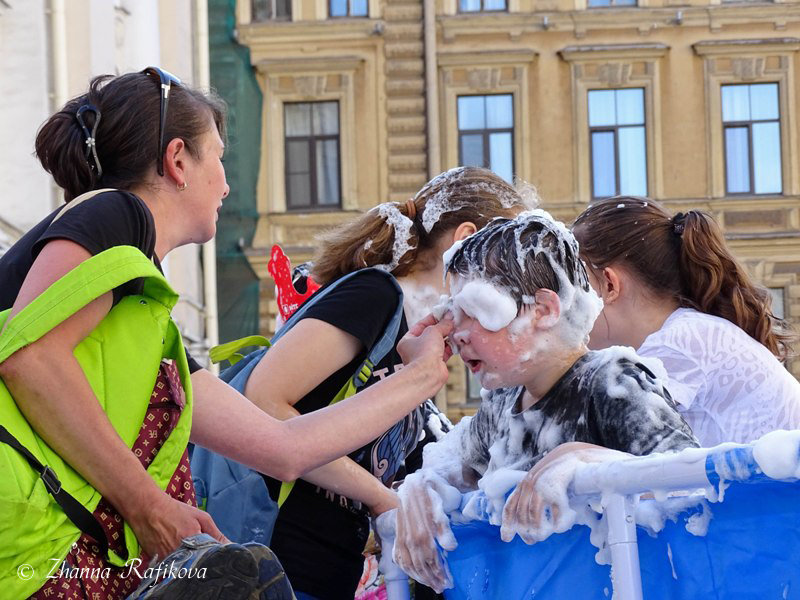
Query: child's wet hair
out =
(523, 255)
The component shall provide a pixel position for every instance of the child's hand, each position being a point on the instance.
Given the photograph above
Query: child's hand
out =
(421, 523)
(539, 506)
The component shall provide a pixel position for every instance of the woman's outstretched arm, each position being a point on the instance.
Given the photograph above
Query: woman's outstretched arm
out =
(228, 423)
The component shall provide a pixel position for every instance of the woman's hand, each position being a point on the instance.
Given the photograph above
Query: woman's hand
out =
(425, 344)
(421, 523)
(539, 506)
(162, 522)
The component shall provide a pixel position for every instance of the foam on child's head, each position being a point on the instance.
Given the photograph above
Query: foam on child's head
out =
(531, 252)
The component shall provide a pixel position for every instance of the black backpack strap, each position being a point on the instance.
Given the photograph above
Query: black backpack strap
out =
(75, 511)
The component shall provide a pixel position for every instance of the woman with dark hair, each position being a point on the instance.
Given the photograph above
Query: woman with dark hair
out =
(139, 157)
(321, 531)
(673, 290)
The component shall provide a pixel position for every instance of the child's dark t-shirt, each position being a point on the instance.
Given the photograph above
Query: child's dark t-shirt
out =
(606, 398)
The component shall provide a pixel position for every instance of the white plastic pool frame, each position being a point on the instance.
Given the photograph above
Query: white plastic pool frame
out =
(626, 480)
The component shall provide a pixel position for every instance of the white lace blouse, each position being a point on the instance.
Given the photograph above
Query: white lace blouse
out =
(728, 387)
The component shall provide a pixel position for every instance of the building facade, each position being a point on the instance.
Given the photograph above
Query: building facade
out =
(51, 49)
(693, 102)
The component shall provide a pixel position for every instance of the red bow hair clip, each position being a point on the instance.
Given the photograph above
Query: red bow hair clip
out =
(289, 299)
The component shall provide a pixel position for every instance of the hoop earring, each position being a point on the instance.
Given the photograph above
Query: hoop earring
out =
(182, 187)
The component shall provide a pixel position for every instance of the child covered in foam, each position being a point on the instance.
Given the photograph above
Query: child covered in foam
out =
(523, 309)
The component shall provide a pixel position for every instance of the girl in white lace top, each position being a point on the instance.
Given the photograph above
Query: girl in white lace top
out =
(673, 290)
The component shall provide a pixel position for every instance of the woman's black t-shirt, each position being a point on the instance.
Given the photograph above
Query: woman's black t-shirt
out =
(113, 218)
(319, 536)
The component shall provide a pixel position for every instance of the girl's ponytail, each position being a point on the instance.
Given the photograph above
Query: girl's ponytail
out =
(714, 282)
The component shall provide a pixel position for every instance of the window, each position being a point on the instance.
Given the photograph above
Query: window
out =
(269, 10)
(312, 155)
(473, 388)
(486, 133)
(601, 3)
(777, 302)
(751, 130)
(481, 5)
(348, 8)
(618, 145)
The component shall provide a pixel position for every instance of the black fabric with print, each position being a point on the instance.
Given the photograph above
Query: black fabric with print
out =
(603, 399)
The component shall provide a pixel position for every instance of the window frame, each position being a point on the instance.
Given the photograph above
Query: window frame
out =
(731, 62)
(616, 66)
(349, 14)
(487, 132)
(481, 9)
(615, 5)
(725, 125)
(275, 17)
(312, 140)
(615, 130)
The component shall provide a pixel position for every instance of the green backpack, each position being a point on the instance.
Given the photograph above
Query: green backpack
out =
(121, 359)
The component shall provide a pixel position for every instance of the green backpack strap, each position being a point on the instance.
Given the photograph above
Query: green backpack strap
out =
(230, 350)
(86, 282)
(348, 389)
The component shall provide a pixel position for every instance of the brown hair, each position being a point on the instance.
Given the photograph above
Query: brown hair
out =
(127, 133)
(463, 194)
(684, 257)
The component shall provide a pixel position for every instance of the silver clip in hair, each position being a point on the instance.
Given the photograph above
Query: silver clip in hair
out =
(91, 139)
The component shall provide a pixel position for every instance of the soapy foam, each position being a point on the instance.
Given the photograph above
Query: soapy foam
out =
(492, 307)
(442, 202)
(778, 454)
(418, 300)
(402, 233)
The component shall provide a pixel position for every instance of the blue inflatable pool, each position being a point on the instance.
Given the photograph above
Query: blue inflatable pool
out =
(751, 550)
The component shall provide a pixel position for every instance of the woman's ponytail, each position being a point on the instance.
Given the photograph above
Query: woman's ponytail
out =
(61, 146)
(714, 282)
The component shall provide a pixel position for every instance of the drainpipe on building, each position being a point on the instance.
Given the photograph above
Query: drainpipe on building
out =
(58, 70)
(431, 87)
(432, 114)
(203, 81)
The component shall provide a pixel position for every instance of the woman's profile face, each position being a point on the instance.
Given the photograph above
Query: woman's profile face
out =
(207, 186)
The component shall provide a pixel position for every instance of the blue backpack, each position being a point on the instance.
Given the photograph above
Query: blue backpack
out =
(234, 495)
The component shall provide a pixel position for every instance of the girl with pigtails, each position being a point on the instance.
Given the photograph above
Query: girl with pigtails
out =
(320, 532)
(673, 290)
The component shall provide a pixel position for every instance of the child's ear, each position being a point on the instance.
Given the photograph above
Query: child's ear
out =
(464, 230)
(547, 308)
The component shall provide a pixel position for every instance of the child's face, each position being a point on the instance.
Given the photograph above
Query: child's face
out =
(497, 358)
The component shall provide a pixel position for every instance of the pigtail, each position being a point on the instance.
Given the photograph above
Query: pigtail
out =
(714, 282)
(374, 240)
